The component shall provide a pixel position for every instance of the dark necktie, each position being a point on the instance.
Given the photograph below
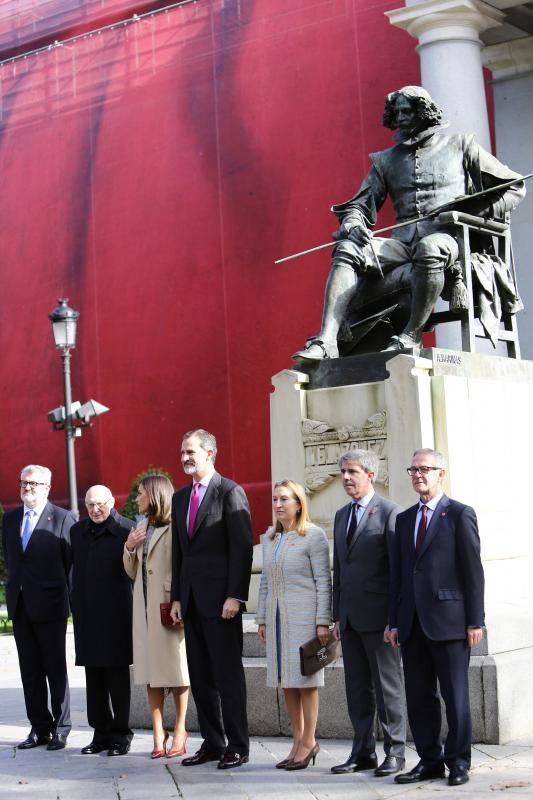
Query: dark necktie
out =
(422, 528)
(352, 526)
(193, 507)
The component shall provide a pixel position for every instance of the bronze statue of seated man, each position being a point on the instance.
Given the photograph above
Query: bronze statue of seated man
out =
(424, 170)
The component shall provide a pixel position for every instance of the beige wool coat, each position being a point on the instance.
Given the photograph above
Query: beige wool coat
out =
(299, 584)
(159, 658)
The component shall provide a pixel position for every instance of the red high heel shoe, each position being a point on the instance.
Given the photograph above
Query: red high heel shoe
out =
(182, 750)
(163, 752)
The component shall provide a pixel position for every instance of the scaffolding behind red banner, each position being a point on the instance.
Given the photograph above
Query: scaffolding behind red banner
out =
(152, 171)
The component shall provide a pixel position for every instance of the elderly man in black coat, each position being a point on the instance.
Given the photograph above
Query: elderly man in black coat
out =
(102, 610)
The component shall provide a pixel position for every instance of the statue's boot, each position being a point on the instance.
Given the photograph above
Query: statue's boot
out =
(428, 284)
(340, 289)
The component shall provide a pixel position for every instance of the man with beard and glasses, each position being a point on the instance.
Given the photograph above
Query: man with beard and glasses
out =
(211, 567)
(36, 542)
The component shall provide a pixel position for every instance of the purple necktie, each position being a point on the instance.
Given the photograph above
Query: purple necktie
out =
(194, 505)
(422, 527)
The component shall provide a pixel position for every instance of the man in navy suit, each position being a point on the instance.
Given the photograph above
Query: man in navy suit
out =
(436, 616)
(211, 566)
(36, 541)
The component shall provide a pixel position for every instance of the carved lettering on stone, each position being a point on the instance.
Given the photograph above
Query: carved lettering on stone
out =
(324, 444)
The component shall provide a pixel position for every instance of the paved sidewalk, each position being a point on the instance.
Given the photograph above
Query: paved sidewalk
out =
(498, 772)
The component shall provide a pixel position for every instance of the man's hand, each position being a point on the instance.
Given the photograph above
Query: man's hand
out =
(322, 632)
(261, 632)
(337, 631)
(474, 636)
(357, 232)
(386, 635)
(230, 608)
(393, 639)
(175, 612)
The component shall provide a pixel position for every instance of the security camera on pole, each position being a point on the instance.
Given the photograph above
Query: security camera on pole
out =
(73, 416)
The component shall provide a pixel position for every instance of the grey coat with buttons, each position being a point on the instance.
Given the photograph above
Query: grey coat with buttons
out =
(299, 584)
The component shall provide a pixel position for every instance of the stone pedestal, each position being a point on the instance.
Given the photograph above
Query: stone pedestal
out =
(467, 406)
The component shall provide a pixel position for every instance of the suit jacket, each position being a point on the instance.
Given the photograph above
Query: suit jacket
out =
(102, 593)
(216, 562)
(361, 572)
(41, 572)
(444, 584)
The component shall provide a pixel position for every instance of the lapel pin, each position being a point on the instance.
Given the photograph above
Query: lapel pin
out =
(443, 513)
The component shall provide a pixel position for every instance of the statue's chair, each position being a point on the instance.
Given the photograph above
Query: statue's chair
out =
(480, 289)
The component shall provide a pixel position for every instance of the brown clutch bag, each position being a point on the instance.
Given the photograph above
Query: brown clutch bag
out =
(166, 619)
(315, 656)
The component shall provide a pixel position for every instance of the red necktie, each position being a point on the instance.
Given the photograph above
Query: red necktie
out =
(422, 528)
(194, 505)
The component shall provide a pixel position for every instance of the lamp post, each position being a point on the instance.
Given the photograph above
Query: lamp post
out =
(64, 323)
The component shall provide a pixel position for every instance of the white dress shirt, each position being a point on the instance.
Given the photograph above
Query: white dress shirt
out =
(34, 515)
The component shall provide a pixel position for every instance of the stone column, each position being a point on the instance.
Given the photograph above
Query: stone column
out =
(450, 57)
(511, 64)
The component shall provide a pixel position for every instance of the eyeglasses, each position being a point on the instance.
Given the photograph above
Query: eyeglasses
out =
(421, 470)
(102, 503)
(31, 484)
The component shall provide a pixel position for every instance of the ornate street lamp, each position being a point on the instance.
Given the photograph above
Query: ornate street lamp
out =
(64, 324)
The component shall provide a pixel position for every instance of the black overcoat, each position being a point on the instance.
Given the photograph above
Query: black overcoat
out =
(101, 593)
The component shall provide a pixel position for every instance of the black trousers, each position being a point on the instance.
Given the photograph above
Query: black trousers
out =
(374, 681)
(108, 704)
(424, 662)
(41, 653)
(214, 655)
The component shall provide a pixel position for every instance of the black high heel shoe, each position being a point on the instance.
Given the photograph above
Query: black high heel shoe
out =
(303, 763)
(284, 764)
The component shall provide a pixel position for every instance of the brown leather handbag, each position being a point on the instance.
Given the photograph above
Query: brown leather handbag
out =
(315, 656)
(166, 619)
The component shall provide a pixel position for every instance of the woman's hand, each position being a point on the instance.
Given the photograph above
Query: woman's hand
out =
(261, 632)
(136, 536)
(322, 632)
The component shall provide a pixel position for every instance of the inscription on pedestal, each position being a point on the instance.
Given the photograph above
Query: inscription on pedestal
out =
(324, 444)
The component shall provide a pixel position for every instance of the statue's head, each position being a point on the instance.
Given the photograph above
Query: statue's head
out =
(410, 110)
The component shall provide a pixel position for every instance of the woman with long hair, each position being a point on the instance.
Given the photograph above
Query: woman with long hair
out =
(294, 606)
(159, 659)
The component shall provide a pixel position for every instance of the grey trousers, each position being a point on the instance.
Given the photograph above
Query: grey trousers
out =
(374, 681)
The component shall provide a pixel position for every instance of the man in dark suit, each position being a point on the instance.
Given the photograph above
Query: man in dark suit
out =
(211, 566)
(36, 541)
(436, 615)
(102, 608)
(363, 533)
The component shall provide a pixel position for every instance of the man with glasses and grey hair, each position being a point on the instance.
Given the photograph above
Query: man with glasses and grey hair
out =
(363, 533)
(36, 542)
(436, 616)
(102, 608)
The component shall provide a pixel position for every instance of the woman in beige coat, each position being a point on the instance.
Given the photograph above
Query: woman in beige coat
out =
(159, 659)
(294, 606)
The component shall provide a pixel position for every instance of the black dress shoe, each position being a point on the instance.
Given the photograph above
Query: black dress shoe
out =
(118, 749)
(34, 740)
(356, 764)
(458, 775)
(228, 760)
(389, 766)
(421, 773)
(94, 747)
(58, 742)
(200, 757)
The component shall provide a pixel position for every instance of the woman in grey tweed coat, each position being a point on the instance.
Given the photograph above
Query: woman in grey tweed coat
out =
(294, 605)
